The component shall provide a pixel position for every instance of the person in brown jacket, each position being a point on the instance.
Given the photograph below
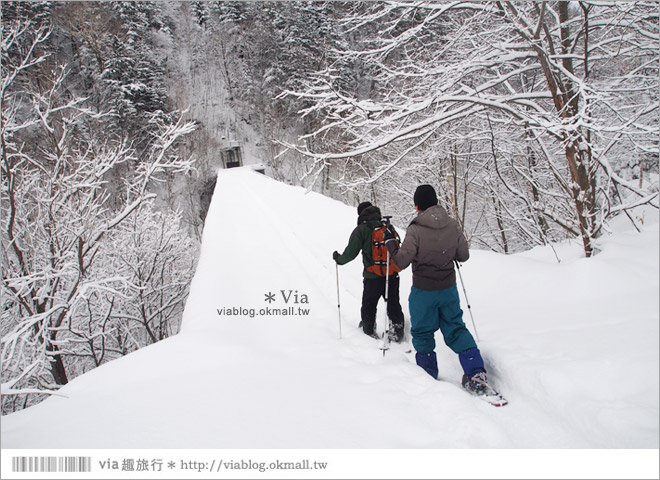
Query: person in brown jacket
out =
(433, 242)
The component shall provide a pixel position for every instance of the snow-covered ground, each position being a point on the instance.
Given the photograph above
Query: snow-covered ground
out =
(572, 345)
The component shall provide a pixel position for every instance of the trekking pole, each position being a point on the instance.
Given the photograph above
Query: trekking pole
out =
(458, 267)
(386, 338)
(386, 221)
(338, 302)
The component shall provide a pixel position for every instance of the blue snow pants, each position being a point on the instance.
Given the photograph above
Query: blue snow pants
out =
(431, 310)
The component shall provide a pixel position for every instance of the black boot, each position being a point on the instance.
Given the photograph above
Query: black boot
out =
(396, 333)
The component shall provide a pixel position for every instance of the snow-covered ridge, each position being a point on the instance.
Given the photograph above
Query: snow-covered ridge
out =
(572, 345)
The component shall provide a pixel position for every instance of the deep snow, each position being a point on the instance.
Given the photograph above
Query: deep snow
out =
(572, 345)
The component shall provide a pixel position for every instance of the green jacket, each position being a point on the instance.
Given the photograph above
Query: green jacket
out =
(360, 239)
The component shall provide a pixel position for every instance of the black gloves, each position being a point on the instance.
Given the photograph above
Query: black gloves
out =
(335, 254)
(389, 234)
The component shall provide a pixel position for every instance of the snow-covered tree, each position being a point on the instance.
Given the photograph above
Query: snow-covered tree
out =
(57, 208)
(110, 48)
(574, 84)
(155, 258)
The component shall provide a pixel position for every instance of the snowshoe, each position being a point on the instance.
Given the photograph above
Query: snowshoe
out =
(479, 387)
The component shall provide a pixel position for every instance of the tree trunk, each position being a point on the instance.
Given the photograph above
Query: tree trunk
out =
(536, 195)
(577, 155)
(583, 195)
(566, 102)
(500, 223)
(57, 366)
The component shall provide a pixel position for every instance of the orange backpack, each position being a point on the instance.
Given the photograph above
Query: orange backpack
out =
(379, 253)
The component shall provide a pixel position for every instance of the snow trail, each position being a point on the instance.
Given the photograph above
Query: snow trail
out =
(573, 346)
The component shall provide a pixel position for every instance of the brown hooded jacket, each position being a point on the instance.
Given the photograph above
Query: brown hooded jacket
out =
(433, 241)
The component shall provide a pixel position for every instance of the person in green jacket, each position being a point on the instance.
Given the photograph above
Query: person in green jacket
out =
(369, 217)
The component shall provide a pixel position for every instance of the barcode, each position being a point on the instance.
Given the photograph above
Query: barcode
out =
(51, 464)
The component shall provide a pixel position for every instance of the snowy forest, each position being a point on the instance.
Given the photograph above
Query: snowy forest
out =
(536, 122)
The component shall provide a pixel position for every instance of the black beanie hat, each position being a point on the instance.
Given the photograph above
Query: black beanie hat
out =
(425, 197)
(363, 206)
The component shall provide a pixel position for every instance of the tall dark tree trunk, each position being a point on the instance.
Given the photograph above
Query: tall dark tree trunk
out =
(583, 195)
(566, 101)
(57, 365)
(577, 149)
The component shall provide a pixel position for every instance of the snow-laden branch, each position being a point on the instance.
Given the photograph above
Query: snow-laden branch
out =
(63, 203)
(576, 83)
